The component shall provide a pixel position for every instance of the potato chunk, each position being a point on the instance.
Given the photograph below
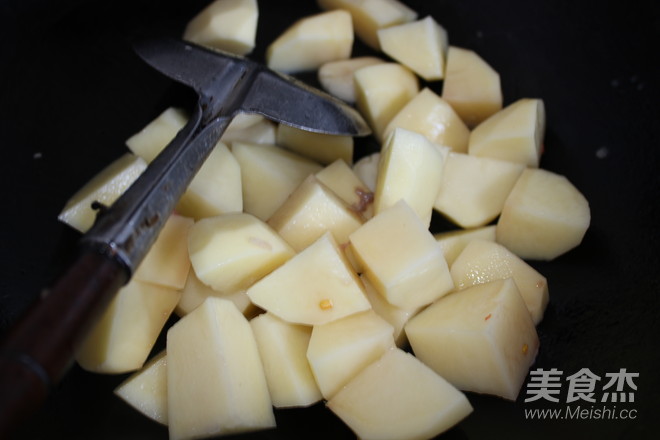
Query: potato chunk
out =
(311, 211)
(381, 91)
(146, 389)
(401, 258)
(154, 137)
(482, 261)
(229, 25)
(216, 188)
(215, 380)
(344, 182)
(473, 189)
(269, 174)
(515, 133)
(167, 262)
(311, 42)
(231, 251)
(371, 15)
(283, 350)
(399, 398)
(453, 242)
(195, 292)
(429, 114)
(419, 45)
(481, 339)
(336, 77)
(544, 216)
(126, 332)
(315, 287)
(410, 169)
(105, 187)
(340, 349)
(471, 86)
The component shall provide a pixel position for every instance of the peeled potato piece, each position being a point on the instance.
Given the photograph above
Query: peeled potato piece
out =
(371, 15)
(471, 86)
(336, 77)
(283, 350)
(544, 216)
(419, 45)
(340, 349)
(381, 91)
(401, 258)
(150, 141)
(410, 169)
(311, 42)
(229, 25)
(473, 189)
(167, 262)
(316, 286)
(126, 332)
(453, 242)
(515, 133)
(429, 114)
(399, 398)
(269, 174)
(480, 339)
(105, 187)
(215, 379)
(146, 389)
(232, 251)
(482, 261)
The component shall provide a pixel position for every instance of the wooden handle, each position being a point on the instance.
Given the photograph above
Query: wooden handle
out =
(40, 348)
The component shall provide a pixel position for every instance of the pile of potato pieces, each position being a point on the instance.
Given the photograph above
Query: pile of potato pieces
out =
(301, 277)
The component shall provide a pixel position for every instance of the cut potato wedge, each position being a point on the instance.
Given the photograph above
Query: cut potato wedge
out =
(367, 169)
(419, 45)
(342, 348)
(544, 216)
(471, 86)
(283, 350)
(121, 340)
(311, 211)
(473, 189)
(482, 261)
(104, 188)
(453, 242)
(515, 133)
(381, 91)
(410, 169)
(146, 390)
(269, 174)
(396, 316)
(216, 188)
(407, 266)
(336, 77)
(315, 287)
(262, 131)
(321, 147)
(481, 339)
(344, 182)
(232, 251)
(229, 25)
(311, 42)
(399, 398)
(371, 15)
(195, 292)
(215, 379)
(167, 263)
(154, 137)
(429, 114)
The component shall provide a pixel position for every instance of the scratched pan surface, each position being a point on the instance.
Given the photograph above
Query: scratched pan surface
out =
(71, 92)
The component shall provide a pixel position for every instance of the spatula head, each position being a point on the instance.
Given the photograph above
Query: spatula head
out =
(276, 96)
